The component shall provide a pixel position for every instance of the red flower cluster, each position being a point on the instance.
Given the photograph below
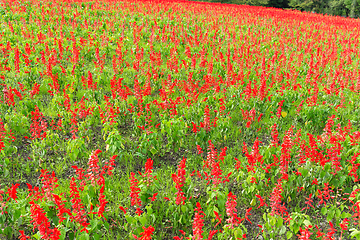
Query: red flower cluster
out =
(41, 222)
(231, 210)
(135, 191)
(198, 222)
(179, 180)
(38, 127)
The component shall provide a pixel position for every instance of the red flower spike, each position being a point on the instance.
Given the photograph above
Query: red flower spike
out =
(262, 201)
(12, 192)
(217, 218)
(123, 209)
(179, 180)
(153, 198)
(23, 236)
(198, 222)
(248, 214)
(146, 235)
(231, 210)
(135, 191)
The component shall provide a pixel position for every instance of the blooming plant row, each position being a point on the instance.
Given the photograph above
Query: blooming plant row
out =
(177, 120)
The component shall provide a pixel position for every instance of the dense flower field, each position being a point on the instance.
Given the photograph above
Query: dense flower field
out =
(177, 120)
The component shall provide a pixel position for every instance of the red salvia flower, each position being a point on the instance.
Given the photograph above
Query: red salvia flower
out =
(305, 233)
(178, 238)
(308, 202)
(93, 169)
(211, 234)
(275, 200)
(41, 222)
(238, 164)
(199, 149)
(216, 173)
(274, 134)
(278, 114)
(23, 236)
(331, 232)
(138, 211)
(12, 192)
(38, 127)
(262, 201)
(2, 135)
(218, 218)
(231, 210)
(153, 198)
(319, 234)
(109, 166)
(61, 208)
(135, 191)
(179, 180)
(198, 223)
(17, 60)
(79, 214)
(211, 156)
(206, 118)
(148, 172)
(123, 209)
(325, 194)
(285, 153)
(102, 202)
(344, 224)
(315, 182)
(35, 90)
(248, 214)
(49, 182)
(354, 167)
(146, 235)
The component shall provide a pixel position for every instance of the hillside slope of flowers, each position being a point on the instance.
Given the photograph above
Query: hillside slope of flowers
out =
(177, 120)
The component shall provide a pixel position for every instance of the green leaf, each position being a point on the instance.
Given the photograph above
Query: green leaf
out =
(289, 235)
(342, 180)
(149, 209)
(36, 236)
(17, 214)
(282, 230)
(323, 210)
(184, 209)
(96, 236)
(345, 215)
(143, 220)
(153, 151)
(355, 233)
(153, 218)
(296, 228)
(338, 213)
(279, 222)
(264, 217)
(307, 222)
(94, 223)
(63, 234)
(130, 219)
(330, 216)
(73, 155)
(8, 231)
(84, 236)
(106, 225)
(216, 210)
(238, 233)
(272, 221)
